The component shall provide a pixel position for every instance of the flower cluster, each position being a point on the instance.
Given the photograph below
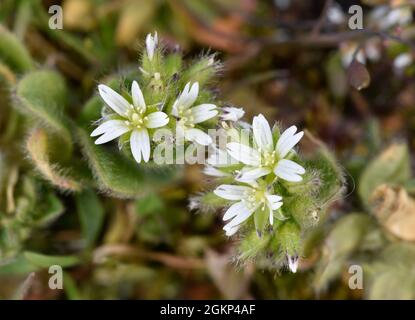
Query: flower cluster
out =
(259, 176)
(133, 118)
(266, 162)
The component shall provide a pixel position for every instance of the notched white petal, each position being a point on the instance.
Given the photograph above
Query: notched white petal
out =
(289, 170)
(137, 95)
(288, 140)
(107, 126)
(203, 112)
(140, 145)
(198, 136)
(157, 119)
(231, 192)
(262, 133)
(244, 154)
(114, 100)
(111, 135)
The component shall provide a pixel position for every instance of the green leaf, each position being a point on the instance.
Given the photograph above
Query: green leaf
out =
(13, 52)
(71, 290)
(49, 209)
(393, 285)
(43, 95)
(19, 265)
(38, 147)
(261, 217)
(392, 166)
(344, 239)
(149, 204)
(45, 261)
(91, 215)
(120, 175)
(288, 235)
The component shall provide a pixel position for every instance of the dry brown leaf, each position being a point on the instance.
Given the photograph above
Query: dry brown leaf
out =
(78, 15)
(395, 210)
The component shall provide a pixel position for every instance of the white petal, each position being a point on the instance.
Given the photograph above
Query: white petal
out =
(234, 210)
(232, 192)
(292, 263)
(230, 230)
(288, 140)
(157, 119)
(140, 145)
(183, 95)
(212, 171)
(262, 133)
(138, 98)
(151, 43)
(244, 154)
(274, 201)
(114, 100)
(203, 112)
(289, 170)
(111, 135)
(253, 174)
(244, 214)
(106, 126)
(232, 113)
(192, 95)
(198, 136)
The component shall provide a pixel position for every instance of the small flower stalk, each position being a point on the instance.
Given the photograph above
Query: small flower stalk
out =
(268, 193)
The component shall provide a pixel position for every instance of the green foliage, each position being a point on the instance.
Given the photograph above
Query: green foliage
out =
(43, 94)
(392, 166)
(119, 175)
(91, 215)
(13, 53)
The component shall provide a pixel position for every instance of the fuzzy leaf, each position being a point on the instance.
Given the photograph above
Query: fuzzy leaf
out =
(43, 94)
(120, 175)
(38, 148)
(289, 237)
(13, 52)
(91, 215)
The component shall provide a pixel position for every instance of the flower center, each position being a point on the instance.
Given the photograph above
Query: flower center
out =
(255, 198)
(186, 117)
(136, 118)
(268, 159)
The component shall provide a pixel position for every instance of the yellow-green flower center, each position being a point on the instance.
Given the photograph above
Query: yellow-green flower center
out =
(136, 118)
(269, 159)
(255, 197)
(186, 117)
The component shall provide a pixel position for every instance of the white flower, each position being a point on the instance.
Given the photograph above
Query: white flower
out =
(134, 118)
(335, 14)
(293, 262)
(402, 61)
(151, 44)
(188, 115)
(232, 114)
(268, 156)
(249, 199)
